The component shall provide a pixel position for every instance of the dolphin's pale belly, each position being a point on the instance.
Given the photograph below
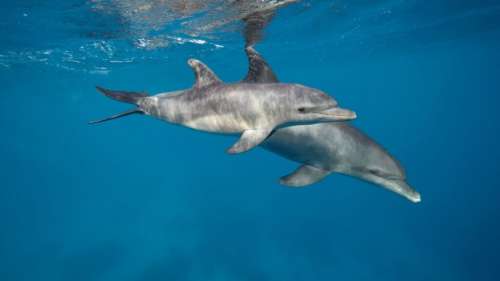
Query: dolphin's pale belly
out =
(225, 123)
(334, 147)
(222, 109)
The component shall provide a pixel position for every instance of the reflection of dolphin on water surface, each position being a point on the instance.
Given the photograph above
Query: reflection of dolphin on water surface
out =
(141, 20)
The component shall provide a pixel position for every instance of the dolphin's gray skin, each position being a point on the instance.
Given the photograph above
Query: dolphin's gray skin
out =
(326, 148)
(253, 109)
(337, 147)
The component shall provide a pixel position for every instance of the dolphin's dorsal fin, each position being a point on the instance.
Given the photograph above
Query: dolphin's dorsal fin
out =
(204, 76)
(258, 69)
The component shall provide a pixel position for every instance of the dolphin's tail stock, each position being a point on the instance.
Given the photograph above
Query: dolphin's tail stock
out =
(122, 96)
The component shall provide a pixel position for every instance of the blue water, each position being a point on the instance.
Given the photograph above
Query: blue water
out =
(139, 199)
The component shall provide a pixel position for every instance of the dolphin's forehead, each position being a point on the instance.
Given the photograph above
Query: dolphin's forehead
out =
(312, 95)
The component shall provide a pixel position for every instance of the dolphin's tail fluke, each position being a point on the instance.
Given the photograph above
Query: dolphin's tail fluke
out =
(128, 112)
(122, 96)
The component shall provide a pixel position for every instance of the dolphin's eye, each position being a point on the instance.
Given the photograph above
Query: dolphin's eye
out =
(301, 109)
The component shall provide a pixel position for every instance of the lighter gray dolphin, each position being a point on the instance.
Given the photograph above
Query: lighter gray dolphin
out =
(251, 109)
(327, 148)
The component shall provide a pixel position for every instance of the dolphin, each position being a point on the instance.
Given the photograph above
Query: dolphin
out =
(252, 109)
(327, 148)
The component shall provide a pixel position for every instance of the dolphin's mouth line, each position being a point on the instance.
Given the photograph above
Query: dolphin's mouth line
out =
(341, 114)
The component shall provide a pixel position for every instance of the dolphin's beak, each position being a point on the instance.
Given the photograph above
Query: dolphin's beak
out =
(339, 114)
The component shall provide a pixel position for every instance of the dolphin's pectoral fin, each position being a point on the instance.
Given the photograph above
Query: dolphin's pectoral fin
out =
(304, 175)
(259, 70)
(203, 74)
(249, 139)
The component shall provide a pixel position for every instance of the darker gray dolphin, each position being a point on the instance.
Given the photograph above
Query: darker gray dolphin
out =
(326, 148)
(252, 109)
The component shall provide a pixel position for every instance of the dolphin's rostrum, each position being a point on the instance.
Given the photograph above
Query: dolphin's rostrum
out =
(252, 109)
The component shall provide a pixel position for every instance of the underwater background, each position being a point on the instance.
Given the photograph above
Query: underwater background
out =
(140, 199)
